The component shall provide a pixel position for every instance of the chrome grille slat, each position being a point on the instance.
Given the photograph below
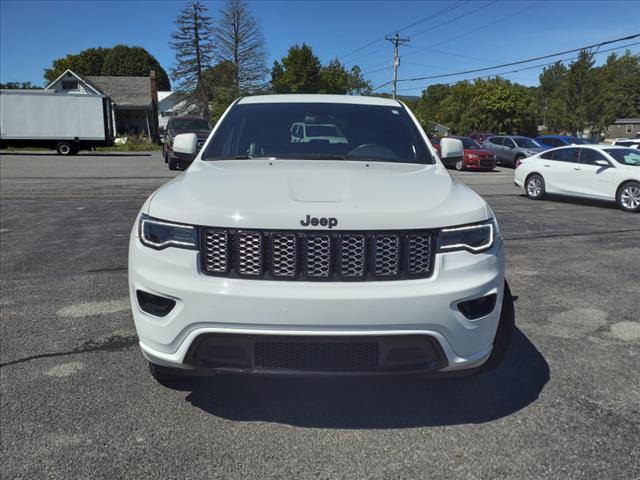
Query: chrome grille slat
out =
(318, 255)
(284, 255)
(249, 254)
(387, 255)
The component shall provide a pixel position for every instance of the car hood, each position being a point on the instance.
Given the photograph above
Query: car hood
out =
(278, 194)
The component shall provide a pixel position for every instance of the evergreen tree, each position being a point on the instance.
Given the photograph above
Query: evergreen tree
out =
(193, 43)
(299, 72)
(240, 42)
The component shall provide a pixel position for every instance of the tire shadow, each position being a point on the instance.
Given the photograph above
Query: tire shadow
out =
(378, 402)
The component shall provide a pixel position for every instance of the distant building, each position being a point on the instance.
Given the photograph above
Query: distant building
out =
(169, 105)
(623, 128)
(134, 100)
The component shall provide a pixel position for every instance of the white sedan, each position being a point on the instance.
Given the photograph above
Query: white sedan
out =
(602, 172)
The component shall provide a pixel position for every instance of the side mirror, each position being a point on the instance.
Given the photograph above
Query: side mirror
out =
(451, 148)
(185, 143)
(603, 163)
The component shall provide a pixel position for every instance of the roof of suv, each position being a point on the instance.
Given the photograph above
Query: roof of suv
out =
(312, 98)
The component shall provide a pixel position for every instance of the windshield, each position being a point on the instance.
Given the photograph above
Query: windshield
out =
(190, 124)
(625, 156)
(469, 143)
(333, 131)
(322, 131)
(525, 142)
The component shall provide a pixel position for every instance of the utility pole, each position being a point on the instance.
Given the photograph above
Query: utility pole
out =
(396, 41)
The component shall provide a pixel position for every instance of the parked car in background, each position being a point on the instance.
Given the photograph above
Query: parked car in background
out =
(475, 157)
(628, 142)
(602, 172)
(480, 137)
(324, 132)
(176, 126)
(510, 149)
(560, 140)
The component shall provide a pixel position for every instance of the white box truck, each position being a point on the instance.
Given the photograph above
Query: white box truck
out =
(61, 121)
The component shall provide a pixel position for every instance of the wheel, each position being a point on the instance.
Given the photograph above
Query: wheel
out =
(516, 159)
(165, 375)
(460, 165)
(506, 326)
(628, 197)
(173, 164)
(535, 187)
(64, 148)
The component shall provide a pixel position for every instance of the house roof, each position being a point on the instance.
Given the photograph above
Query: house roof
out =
(124, 91)
(627, 120)
(68, 71)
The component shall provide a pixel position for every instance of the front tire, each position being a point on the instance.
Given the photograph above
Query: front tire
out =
(534, 186)
(505, 330)
(173, 164)
(628, 197)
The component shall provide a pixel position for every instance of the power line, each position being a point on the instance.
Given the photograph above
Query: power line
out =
(541, 57)
(413, 24)
(525, 68)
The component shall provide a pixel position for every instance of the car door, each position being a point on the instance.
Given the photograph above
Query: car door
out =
(558, 170)
(591, 179)
(509, 150)
(494, 144)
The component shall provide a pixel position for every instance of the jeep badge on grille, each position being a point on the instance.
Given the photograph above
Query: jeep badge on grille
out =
(322, 221)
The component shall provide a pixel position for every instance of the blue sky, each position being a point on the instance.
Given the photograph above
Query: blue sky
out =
(471, 34)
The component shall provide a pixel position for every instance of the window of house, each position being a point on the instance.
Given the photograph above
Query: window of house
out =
(70, 85)
(629, 128)
(610, 127)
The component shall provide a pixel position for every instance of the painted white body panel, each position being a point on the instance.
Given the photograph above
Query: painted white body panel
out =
(577, 179)
(48, 115)
(278, 194)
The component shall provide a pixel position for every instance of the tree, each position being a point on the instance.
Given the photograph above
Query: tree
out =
(240, 42)
(19, 86)
(620, 76)
(87, 62)
(124, 61)
(220, 86)
(193, 43)
(552, 107)
(581, 93)
(299, 72)
(336, 79)
(428, 106)
(119, 61)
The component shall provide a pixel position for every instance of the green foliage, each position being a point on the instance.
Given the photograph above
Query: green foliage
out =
(126, 61)
(299, 72)
(495, 105)
(582, 96)
(302, 72)
(135, 143)
(19, 86)
(121, 60)
(220, 83)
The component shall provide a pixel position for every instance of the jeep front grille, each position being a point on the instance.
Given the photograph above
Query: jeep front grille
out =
(318, 255)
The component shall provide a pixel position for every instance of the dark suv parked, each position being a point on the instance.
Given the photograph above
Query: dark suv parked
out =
(186, 124)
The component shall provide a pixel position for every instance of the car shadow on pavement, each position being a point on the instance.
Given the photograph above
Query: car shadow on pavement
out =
(588, 202)
(378, 402)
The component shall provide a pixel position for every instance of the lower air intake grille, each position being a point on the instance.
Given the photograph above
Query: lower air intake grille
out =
(318, 256)
(323, 357)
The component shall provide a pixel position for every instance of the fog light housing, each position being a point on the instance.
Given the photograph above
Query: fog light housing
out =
(154, 304)
(478, 307)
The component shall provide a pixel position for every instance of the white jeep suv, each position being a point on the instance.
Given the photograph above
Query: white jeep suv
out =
(274, 256)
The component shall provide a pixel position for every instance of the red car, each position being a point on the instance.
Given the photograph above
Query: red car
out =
(475, 157)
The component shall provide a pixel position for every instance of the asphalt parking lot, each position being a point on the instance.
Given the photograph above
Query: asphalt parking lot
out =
(78, 401)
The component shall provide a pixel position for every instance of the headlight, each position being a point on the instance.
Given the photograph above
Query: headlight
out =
(473, 238)
(472, 156)
(158, 234)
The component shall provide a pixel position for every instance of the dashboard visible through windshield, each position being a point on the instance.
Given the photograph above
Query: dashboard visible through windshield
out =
(333, 131)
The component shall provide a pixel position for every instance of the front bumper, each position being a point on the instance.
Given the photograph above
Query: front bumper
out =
(395, 309)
